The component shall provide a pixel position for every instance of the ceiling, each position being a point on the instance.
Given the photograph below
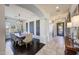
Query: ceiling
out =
(17, 12)
(32, 8)
(49, 9)
(40, 10)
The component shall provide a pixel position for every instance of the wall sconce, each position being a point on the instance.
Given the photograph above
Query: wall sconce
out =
(69, 25)
(75, 21)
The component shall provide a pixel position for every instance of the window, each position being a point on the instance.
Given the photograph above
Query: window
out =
(26, 27)
(31, 27)
(38, 27)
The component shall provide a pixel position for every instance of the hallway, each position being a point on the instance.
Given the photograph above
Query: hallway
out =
(55, 47)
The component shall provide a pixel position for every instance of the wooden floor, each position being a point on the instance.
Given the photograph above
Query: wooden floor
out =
(22, 50)
(55, 47)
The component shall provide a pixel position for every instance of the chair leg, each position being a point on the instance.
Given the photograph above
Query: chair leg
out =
(26, 45)
(14, 43)
(31, 43)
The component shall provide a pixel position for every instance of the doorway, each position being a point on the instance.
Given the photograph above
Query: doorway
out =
(60, 29)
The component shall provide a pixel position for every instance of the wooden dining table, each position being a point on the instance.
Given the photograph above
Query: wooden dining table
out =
(20, 36)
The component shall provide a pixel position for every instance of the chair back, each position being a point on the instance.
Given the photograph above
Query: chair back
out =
(13, 37)
(28, 38)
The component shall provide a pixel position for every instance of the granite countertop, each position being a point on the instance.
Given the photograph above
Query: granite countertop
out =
(55, 47)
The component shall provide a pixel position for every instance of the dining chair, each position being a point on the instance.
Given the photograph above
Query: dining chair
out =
(28, 39)
(15, 40)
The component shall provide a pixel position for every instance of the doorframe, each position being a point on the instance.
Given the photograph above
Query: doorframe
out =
(58, 30)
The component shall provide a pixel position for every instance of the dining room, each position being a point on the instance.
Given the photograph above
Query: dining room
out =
(22, 36)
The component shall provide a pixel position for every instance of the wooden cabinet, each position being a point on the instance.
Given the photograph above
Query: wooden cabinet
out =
(69, 48)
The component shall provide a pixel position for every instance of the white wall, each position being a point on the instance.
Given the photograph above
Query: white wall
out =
(2, 30)
(13, 11)
(43, 29)
(27, 21)
(75, 21)
(57, 19)
(73, 8)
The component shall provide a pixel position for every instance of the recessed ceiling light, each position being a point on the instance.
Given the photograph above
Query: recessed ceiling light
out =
(57, 7)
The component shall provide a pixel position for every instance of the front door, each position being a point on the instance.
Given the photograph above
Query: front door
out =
(60, 29)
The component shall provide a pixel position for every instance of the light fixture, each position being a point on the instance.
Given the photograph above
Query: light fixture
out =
(20, 23)
(57, 8)
(75, 21)
(69, 25)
